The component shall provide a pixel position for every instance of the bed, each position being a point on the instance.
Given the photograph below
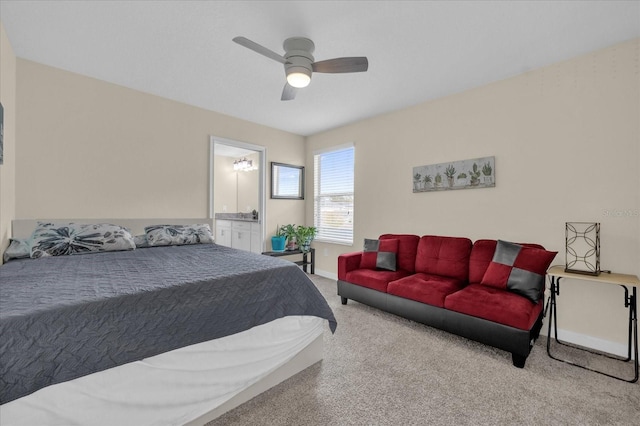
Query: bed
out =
(171, 334)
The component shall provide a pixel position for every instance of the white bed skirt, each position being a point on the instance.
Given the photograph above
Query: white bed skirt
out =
(191, 385)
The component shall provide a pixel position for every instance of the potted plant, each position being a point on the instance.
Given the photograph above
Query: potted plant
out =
(486, 171)
(474, 175)
(438, 180)
(289, 231)
(278, 241)
(416, 182)
(450, 172)
(427, 181)
(305, 235)
(462, 178)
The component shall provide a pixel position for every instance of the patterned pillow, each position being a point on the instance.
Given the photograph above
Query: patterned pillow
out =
(18, 249)
(168, 235)
(380, 254)
(519, 269)
(50, 239)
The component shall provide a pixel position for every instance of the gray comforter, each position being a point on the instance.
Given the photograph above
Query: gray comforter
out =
(68, 316)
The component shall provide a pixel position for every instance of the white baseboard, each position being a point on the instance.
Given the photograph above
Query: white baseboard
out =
(326, 274)
(614, 348)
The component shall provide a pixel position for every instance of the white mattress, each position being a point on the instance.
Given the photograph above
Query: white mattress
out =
(173, 388)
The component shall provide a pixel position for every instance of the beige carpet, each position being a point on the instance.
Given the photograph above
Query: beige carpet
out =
(379, 369)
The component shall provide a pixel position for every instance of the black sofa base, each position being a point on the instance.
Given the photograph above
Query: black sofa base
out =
(510, 339)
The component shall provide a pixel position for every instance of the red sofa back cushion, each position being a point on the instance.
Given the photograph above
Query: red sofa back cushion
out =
(407, 247)
(445, 256)
(481, 256)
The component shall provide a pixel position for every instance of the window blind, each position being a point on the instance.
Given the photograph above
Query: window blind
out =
(333, 173)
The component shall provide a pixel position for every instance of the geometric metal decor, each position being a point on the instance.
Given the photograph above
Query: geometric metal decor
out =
(582, 240)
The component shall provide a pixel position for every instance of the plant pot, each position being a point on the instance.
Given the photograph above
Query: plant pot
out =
(292, 245)
(277, 243)
(306, 246)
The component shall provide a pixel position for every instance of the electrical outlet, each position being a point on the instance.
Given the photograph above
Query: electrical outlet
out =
(325, 252)
(224, 208)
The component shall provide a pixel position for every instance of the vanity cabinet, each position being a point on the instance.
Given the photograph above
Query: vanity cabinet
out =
(223, 232)
(240, 235)
(256, 241)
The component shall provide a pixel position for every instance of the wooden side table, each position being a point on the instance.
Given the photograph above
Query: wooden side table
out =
(630, 301)
(304, 262)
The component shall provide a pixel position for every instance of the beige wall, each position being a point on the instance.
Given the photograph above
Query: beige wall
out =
(94, 149)
(566, 143)
(8, 168)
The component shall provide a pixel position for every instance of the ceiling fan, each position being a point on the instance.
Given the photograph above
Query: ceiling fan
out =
(299, 62)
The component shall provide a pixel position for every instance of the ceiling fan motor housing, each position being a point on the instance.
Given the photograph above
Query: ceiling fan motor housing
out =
(298, 55)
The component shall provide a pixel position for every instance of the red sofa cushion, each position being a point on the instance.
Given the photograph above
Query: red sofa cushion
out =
(482, 255)
(519, 269)
(425, 288)
(444, 256)
(380, 254)
(407, 247)
(374, 279)
(495, 305)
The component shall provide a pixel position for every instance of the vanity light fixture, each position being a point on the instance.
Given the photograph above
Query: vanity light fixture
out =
(243, 165)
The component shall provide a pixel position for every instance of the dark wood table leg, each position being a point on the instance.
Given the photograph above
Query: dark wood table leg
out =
(313, 261)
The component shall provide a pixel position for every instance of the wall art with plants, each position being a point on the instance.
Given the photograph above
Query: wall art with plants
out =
(461, 174)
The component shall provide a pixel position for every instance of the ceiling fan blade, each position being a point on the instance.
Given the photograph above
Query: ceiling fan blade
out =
(243, 41)
(338, 65)
(288, 93)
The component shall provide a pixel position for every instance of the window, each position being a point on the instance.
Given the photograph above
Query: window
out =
(333, 195)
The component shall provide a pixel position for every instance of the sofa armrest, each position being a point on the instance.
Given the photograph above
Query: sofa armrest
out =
(348, 262)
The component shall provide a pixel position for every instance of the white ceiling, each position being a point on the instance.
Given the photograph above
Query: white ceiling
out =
(417, 51)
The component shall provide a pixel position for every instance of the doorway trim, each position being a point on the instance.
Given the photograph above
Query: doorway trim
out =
(262, 202)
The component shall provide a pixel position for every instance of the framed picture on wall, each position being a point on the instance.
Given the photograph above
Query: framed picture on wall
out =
(287, 181)
(460, 174)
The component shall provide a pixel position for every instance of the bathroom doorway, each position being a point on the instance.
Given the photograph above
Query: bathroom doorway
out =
(237, 185)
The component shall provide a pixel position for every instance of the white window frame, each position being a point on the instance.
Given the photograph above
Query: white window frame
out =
(329, 234)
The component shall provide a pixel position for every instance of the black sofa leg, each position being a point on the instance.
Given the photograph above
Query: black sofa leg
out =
(343, 300)
(518, 360)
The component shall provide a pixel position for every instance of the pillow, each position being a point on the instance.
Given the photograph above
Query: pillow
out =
(380, 254)
(51, 239)
(141, 241)
(169, 235)
(519, 269)
(18, 249)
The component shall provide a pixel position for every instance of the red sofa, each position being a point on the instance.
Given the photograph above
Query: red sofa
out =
(489, 291)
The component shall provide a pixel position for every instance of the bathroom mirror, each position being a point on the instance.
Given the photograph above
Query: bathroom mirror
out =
(287, 181)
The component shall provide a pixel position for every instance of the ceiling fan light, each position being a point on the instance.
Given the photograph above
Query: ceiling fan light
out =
(299, 79)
